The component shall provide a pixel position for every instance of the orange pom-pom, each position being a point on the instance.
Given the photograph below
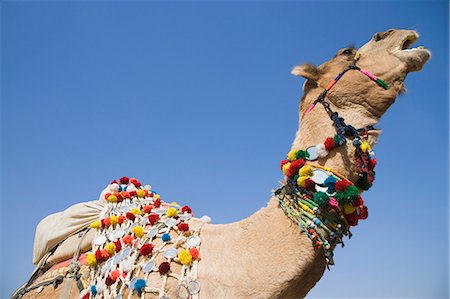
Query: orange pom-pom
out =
(195, 253)
(128, 239)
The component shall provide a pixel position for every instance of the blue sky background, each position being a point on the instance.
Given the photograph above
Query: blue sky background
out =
(196, 99)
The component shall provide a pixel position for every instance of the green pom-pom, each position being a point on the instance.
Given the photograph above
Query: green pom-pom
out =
(336, 140)
(321, 198)
(352, 192)
(296, 177)
(302, 155)
(340, 197)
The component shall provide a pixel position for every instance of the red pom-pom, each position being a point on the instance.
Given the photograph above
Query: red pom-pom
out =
(130, 216)
(146, 192)
(372, 163)
(363, 212)
(310, 185)
(128, 239)
(106, 222)
(119, 196)
(125, 194)
(124, 180)
(186, 209)
(86, 296)
(109, 281)
(107, 195)
(329, 144)
(135, 182)
(342, 185)
(121, 219)
(98, 256)
(157, 203)
(183, 227)
(113, 182)
(105, 254)
(146, 249)
(147, 209)
(358, 201)
(114, 275)
(352, 218)
(118, 245)
(194, 253)
(282, 163)
(164, 267)
(294, 167)
(132, 193)
(153, 218)
(150, 194)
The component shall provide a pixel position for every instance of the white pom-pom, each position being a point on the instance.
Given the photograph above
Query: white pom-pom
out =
(321, 151)
(131, 187)
(114, 187)
(205, 219)
(147, 187)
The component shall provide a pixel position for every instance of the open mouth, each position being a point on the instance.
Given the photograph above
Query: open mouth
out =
(408, 40)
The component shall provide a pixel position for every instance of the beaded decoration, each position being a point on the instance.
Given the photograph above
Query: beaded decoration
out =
(138, 237)
(323, 203)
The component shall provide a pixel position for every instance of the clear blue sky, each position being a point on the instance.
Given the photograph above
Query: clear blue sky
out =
(196, 99)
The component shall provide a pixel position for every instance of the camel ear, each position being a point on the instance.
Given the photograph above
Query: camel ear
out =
(308, 71)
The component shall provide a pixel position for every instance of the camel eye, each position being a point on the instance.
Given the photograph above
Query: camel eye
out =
(377, 37)
(348, 52)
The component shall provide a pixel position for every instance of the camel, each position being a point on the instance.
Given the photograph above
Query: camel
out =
(266, 255)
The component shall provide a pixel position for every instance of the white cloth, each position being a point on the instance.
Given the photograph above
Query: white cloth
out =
(57, 227)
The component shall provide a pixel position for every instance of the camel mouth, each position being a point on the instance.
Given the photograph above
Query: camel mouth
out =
(415, 58)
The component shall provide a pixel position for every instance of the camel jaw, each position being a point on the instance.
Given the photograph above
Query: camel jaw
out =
(414, 58)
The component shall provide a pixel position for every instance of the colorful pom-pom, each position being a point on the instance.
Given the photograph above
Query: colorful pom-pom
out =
(146, 249)
(329, 144)
(282, 163)
(135, 211)
(183, 227)
(130, 216)
(140, 193)
(352, 192)
(301, 181)
(302, 155)
(164, 267)
(186, 209)
(195, 253)
(165, 237)
(147, 209)
(365, 146)
(342, 185)
(310, 185)
(321, 198)
(106, 222)
(292, 155)
(185, 257)
(363, 212)
(91, 260)
(153, 218)
(96, 224)
(348, 208)
(114, 220)
(128, 239)
(139, 285)
(124, 180)
(114, 274)
(118, 245)
(286, 168)
(333, 202)
(110, 248)
(138, 231)
(98, 256)
(295, 167)
(321, 150)
(157, 202)
(306, 171)
(93, 290)
(372, 163)
(112, 198)
(121, 219)
(135, 182)
(171, 212)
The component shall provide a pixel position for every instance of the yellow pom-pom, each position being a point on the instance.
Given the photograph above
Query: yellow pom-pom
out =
(174, 203)
(171, 212)
(157, 196)
(348, 208)
(135, 211)
(112, 198)
(140, 193)
(138, 231)
(110, 248)
(114, 220)
(292, 155)
(301, 181)
(185, 257)
(365, 146)
(286, 167)
(306, 171)
(96, 224)
(91, 260)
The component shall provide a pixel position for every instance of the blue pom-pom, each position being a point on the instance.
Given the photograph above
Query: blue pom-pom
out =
(329, 181)
(139, 285)
(93, 290)
(165, 237)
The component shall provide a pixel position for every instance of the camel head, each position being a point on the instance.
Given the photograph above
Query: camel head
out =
(387, 55)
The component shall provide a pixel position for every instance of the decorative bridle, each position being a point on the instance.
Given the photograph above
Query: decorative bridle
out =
(321, 201)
